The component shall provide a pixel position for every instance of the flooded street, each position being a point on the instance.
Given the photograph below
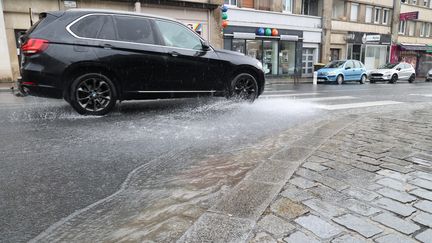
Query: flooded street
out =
(182, 154)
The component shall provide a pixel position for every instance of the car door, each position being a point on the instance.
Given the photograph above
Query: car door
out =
(349, 71)
(188, 62)
(358, 70)
(128, 47)
(408, 70)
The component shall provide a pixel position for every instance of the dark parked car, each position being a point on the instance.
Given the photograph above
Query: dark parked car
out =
(93, 58)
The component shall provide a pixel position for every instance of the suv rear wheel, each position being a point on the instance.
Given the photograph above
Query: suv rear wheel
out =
(244, 87)
(93, 94)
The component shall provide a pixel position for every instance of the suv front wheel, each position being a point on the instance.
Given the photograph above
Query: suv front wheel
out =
(244, 87)
(93, 94)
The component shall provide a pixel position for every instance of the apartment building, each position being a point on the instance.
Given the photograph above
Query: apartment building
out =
(358, 30)
(295, 26)
(16, 16)
(414, 41)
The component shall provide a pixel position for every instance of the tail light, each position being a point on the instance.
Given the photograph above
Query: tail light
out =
(33, 46)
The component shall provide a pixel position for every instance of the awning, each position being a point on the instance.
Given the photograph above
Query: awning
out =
(415, 47)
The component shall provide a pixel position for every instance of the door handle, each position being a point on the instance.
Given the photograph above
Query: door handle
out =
(107, 46)
(174, 53)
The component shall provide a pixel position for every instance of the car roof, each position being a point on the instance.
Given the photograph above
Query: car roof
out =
(109, 11)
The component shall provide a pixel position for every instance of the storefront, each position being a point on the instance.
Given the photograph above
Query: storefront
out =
(280, 54)
(370, 48)
(418, 55)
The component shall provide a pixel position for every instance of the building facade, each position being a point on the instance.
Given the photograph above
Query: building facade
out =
(359, 30)
(294, 45)
(16, 16)
(414, 41)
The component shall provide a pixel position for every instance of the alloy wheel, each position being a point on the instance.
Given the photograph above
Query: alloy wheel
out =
(245, 87)
(93, 94)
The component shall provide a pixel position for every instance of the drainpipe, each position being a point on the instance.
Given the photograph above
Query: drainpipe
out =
(395, 31)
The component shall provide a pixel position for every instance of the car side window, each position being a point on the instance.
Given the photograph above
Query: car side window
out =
(88, 27)
(360, 65)
(349, 64)
(107, 31)
(176, 35)
(135, 29)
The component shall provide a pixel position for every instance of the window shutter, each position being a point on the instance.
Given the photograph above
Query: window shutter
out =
(248, 3)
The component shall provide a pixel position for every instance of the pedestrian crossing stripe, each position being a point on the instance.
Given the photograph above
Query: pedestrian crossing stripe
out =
(358, 105)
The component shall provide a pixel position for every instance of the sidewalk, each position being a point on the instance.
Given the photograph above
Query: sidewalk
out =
(6, 87)
(354, 179)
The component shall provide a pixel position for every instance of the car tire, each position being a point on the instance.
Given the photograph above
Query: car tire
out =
(339, 79)
(363, 79)
(93, 94)
(412, 78)
(394, 79)
(244, 87)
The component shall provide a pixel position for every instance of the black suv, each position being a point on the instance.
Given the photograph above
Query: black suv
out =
(92, 58)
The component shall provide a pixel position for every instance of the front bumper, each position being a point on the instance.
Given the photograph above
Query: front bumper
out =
(429, 77)
(380, 78)
(327, 78)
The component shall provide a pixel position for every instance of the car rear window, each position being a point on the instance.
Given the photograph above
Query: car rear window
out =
(89, 26)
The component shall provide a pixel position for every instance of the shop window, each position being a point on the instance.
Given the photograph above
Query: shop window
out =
(354, 12)
(402, 27)
(231, 2)
(411, 28)
(310, 7)
(385, 16)
(376, 56)
(254, 49)
(238, 45)
(377, 16)
(288, 6)
(354, 52)
(368, 16)
(270, 58)
(287, 57)
(339, 9)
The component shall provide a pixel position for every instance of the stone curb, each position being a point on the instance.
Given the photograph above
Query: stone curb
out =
(234, 216)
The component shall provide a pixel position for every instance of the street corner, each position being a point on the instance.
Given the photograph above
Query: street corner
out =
(371, 181)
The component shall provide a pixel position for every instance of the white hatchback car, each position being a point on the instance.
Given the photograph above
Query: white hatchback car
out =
(429, 76)
(393, 72)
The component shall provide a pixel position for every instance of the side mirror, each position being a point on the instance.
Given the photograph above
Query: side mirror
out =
(205, 45)
(398, 69)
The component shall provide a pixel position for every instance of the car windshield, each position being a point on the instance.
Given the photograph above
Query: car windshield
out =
(335, 64)
(388, 66)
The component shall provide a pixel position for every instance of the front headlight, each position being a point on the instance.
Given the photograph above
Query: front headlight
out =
(332, 73)
(259, 65)
(387, 73)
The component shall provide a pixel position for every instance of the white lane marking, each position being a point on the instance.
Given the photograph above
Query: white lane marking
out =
(328, 98)
(278, 91)
(287, 95)
(425, 95)
(358, 105)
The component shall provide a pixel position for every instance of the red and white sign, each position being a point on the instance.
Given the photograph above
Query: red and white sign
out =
(409, 16)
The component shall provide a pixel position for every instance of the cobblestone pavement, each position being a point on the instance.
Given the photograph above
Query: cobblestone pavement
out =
(370, 182)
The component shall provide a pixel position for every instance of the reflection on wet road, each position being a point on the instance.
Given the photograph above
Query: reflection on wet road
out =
(56, 162)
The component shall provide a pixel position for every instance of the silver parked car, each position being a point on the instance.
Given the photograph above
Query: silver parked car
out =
(393, 72)
(429, 76)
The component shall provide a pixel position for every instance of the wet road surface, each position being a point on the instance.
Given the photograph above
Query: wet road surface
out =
(55, 162)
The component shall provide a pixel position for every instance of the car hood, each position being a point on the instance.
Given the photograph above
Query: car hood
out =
(382, 70)
(327, 70)
(228, 52)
